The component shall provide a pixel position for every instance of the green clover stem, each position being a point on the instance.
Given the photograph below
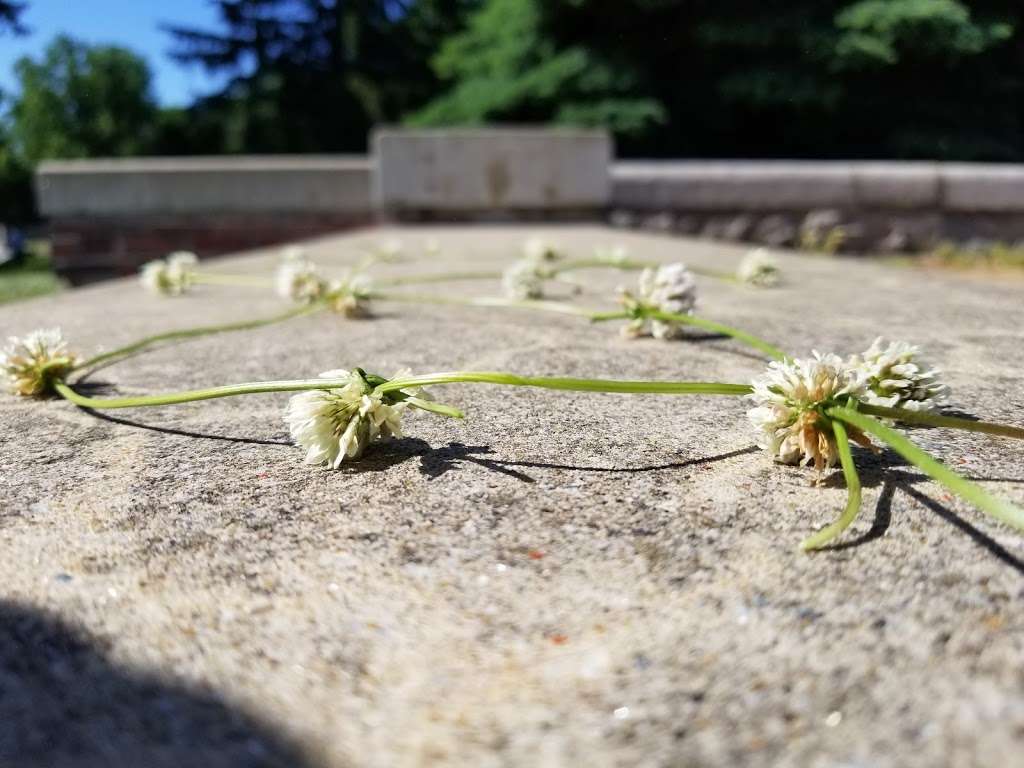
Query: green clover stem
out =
(483, 301)
(853, 494)
(602, 263)
(439, 278)
(217, 278)
(709, 325)
(188, 333)
(568, 384)
(937, 420)
(175, 398)
(998, 508)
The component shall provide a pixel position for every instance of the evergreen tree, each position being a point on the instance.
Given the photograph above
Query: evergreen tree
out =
(315, 75)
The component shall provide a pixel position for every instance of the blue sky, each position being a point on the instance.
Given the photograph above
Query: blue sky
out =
(130, 23)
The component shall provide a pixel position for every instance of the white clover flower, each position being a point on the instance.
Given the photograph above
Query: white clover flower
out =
(297, 279)
(172, 276)
(539, 250)
(790, 398)
(336, 424)
(523, 280)
(32, 363)
(293, 253)
(390, 249)
(350, 297)
(615, 256)
(897, 378)
(669, 288)
(759, 268)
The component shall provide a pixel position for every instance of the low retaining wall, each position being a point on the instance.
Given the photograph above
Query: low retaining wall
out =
(110, 216)
(855, 206)
(107, 217)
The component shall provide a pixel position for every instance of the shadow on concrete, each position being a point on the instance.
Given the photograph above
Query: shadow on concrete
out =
(102, 416)
(898, 480)
(64, 703)
(435, 463)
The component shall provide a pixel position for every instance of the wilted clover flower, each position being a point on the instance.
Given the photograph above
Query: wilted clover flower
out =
(790, 399)
(390, 249)
(172, 276)
(524, 280)
(897, 378)
(297, 279)
(32, 364)
(759, 268)
(539, 250)
(670, 288)
(349, 297)
(340, 423)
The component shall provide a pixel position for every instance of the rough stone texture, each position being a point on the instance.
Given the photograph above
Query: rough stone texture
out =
(559, 580)
(492, 169)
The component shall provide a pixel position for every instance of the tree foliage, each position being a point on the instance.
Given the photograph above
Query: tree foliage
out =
(315, 75)
(82, 101)
(802, 78)
(10, 16)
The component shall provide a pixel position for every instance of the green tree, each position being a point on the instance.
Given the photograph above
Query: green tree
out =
(760, 78)
(82, 101)
(315, 75)
(10, 16)
(507, 66)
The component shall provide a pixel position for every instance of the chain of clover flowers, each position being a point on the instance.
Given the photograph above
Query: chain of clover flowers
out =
(838, 415)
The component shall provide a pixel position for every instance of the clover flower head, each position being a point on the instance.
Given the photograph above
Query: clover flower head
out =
(759, 268)
(669, 288)
(293, 253)
(172, 276)
(789, 403)
(615, 256)
(32, 363)
(539, 250)
(524, 280)
(898, 378)
(297, 279)
(390, 249)
(340, 423)
(349, 297)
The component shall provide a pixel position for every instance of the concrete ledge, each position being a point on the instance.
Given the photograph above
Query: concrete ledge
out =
(500, 169)
(989, 188)
(202, 185)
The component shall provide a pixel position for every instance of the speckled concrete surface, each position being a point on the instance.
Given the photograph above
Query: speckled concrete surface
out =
(559, 580)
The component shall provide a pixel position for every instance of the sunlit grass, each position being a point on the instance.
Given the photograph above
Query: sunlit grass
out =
(31, 277)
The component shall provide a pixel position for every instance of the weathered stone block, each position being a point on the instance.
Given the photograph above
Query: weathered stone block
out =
(976, 187)
(203, 185)
(494, 169)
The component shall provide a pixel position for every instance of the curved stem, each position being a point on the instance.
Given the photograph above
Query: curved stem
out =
(175, 398)
(853, 494)
(219, 278)
(483, 301)
(441, 278)
(998, 508)
(937, 420)
(709, 325)
(569, 384)
(599, 263)
(187, 333)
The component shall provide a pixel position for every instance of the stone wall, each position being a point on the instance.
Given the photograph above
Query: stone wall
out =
(850, 206)
(110, 216)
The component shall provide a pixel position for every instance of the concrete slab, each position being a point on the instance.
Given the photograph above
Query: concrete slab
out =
(492, 169)
(557, 580)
